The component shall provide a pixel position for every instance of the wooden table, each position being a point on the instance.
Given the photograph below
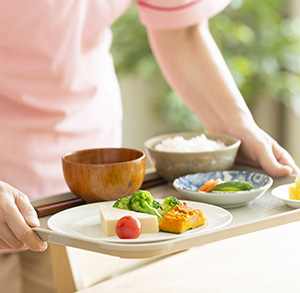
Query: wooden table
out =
(261, 262)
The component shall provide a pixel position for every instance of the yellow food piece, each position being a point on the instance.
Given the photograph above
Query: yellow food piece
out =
(297, 182)
(294, 192)
(181, 218)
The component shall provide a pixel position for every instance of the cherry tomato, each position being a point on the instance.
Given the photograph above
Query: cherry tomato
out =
(128, 227)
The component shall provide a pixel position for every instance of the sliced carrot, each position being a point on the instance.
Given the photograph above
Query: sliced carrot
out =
(217, 181)
(210, 184)
(206, 184)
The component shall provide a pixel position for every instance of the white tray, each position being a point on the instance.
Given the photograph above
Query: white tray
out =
(263, 213)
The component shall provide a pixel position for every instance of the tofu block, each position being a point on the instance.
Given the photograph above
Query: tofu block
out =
(109, 217)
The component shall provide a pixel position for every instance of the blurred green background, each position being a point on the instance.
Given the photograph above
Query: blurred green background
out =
(259, 41)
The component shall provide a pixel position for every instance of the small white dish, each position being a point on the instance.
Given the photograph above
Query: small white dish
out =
(282, 192)
(189, 184)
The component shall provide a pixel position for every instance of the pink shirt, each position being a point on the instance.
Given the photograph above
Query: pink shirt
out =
(58, 88)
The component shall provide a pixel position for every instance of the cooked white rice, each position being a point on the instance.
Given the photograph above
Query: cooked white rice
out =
(198, 143)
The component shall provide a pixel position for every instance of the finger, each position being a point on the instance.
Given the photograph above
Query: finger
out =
(27, 210)
(4, 245)
(261, 154)
(270, 163)
(284, 158)
(14, 208)
(10, 239)
(18, 226)
(23, 232)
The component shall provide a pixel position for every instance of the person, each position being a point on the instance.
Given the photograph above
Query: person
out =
(59, 92)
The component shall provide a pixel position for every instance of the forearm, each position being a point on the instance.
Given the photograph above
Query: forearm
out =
(194, 67)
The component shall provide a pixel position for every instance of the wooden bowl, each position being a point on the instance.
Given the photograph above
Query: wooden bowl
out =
(105, 173)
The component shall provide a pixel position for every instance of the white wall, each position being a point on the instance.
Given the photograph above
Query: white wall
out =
(267, 114)
(140, 121)
(294, 10)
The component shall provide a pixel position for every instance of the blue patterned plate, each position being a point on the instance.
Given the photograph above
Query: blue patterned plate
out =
(189, 184)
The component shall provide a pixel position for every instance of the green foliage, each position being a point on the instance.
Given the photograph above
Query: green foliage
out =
(259, 42)
(131, 50)
(261, 47)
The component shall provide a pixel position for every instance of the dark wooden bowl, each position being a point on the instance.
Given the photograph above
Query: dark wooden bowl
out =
(105, 173)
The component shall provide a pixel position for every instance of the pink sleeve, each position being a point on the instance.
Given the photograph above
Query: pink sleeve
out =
(175, 14)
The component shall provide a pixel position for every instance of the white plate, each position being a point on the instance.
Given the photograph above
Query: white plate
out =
(84, 222)
(282, 192)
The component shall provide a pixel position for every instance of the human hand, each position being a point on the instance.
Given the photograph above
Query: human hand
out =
(261, 150)
(16, 217)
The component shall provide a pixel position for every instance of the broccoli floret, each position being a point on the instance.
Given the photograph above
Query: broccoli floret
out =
(157, 204)
(123, 203)
(142, 201)
(168, 204)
